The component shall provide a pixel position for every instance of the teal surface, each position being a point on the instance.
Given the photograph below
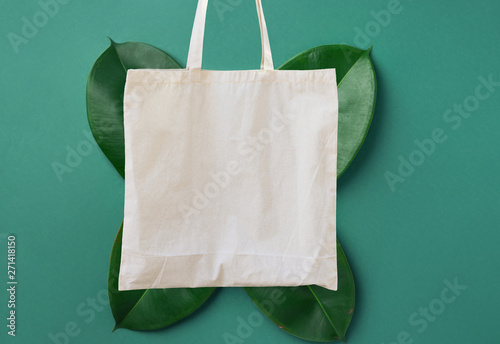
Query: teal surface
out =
(415, 219)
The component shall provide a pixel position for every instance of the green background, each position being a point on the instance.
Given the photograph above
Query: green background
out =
(440, 224)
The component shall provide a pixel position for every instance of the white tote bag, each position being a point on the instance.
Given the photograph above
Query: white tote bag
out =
(230, 176)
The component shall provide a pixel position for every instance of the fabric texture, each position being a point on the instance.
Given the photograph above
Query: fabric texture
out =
(230, 176)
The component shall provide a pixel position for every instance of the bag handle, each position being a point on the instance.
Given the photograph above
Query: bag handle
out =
(195, 54)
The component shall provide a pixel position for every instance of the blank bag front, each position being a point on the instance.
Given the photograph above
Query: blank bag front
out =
(230, 176)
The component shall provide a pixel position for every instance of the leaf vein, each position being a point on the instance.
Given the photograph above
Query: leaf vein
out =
(324, 310)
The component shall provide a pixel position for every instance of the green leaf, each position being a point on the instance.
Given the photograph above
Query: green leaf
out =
(105, 88)
(311, 312)
(149, 309)
(357, 90)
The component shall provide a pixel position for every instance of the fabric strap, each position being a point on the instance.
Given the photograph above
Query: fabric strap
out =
(195, 55)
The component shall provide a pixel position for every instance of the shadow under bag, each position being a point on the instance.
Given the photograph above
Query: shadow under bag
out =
(230, 176)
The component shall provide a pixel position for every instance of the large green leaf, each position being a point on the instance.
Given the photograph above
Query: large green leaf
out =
(149, 309)
(311, 312)
(357, 88)
(105, 87)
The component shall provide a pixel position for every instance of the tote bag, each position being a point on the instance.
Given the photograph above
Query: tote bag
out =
(230, 176)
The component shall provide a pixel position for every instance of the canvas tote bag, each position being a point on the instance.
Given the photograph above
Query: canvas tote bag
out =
(230, 176)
